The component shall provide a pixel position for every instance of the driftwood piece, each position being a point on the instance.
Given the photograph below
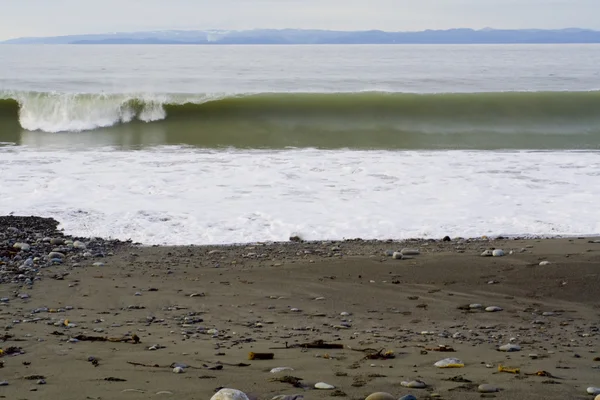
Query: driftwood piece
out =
(134, 339)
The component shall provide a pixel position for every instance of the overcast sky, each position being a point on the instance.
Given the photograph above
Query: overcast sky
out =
(61, 17)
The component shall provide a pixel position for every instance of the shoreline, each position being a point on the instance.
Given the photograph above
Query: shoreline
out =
(206, 308)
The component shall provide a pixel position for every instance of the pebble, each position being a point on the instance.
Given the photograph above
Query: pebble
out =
(493, 309)
(281, 369)
(229, 394)
(414, 384)
(543, 263)
(163, 392)
(487, 388)
(4, 383)
(41, 382)
(410, 252)
(380, 396)
(593, 390)
(324, 386)
(475, 306)
(292, 397)
(449, 363)
(487, 253)
(178, 370)
(397, 255)
(57, 241)
(498, 253)
(509, 348)
(79, 245)
(56, 254)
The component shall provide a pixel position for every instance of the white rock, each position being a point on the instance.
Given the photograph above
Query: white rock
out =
(449, 363)
(178, 370)
(416, 384)
(79, 245)
(498, 253)
(324, 386)
(397, 255)
(281, 369)
(410, 252)
(509, 348)
(544, 263)
(229, 394)
(345, 314)
(487, 388)
(493, 309)
(487, 253)
(475, 306)
(593, 390)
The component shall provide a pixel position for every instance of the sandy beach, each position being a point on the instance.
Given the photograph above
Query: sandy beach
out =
(206, 308)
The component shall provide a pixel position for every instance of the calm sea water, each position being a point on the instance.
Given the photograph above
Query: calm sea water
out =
(218, 144)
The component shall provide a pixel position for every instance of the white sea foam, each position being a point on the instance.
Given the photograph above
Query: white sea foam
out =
(176, 195)
(76, 112)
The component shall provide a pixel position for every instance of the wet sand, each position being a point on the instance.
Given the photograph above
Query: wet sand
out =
(208, 307)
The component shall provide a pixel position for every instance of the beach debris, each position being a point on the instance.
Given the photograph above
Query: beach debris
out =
(324, 386)
(229, 394)
(543, 374)
(441, 348)
(134, 339)
(449, 363)
(292, 380)
(416, 384)
(317, 344)
(260, 356)
(113, 379)
(509, 370)
(34, 377)
(487, 388)
(458, 378)
(493, 309)
(509, 348)
(281, 369)
(380, 396)
(593, 390)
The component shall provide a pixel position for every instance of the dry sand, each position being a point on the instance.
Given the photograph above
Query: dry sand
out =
(248, 294)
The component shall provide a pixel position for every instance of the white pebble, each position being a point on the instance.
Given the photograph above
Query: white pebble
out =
(324, 386)
(178, 370)
(543, 263)
(397, 255)
(486, 388)
(509, 348)
(493, 309)
(229, 394)
(416, 384)
(498, 253)
(410, 252)
(593, 390)
(281, 369)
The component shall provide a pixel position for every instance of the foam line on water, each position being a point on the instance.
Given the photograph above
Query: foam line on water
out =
(174, 195)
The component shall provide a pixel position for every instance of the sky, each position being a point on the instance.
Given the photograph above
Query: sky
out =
(20, 18)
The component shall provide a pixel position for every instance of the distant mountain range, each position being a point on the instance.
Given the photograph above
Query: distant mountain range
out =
(304, 36)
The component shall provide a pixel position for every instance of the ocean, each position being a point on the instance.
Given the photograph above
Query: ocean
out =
(236, 144)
